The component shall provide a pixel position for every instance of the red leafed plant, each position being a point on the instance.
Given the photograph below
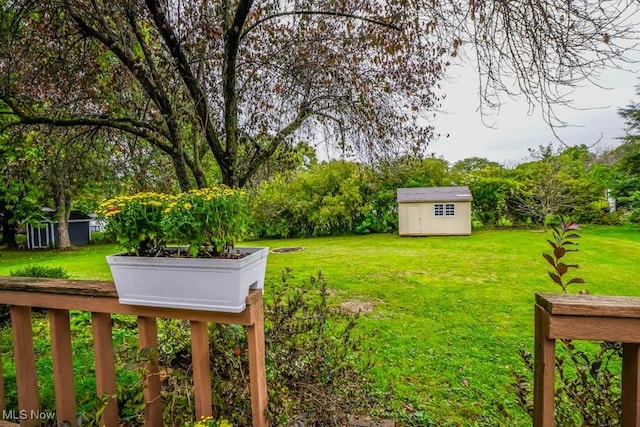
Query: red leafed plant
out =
(562, 243)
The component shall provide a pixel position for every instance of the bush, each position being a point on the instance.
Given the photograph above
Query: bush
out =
(35, 270)
(316, 369)
(21, 239)
(102, 237)
(326, 199)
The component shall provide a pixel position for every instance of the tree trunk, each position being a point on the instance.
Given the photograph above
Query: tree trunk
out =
(63, 206)
(181, 173)
(8, 231)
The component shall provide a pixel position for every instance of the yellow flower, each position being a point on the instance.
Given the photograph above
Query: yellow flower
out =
(187, 206)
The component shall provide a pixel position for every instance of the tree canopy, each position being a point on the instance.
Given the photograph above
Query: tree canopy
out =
(238, 80)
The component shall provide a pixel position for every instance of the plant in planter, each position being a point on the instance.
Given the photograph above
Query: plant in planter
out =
(204, 271)
(135, 221)
(208, 221)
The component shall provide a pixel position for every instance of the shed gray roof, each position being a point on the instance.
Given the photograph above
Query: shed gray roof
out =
(434, 194)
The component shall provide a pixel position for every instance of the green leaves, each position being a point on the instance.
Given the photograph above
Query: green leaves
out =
(562, 237)
(206, 221)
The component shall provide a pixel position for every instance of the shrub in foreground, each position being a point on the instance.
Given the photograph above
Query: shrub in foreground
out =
(316, 369)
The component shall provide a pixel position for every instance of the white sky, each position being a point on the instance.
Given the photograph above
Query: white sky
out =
(514, 130)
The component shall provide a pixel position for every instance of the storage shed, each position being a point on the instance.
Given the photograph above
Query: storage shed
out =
(46, 234)
(434, 211)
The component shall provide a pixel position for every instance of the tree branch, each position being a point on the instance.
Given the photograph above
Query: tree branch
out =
(190, 80)
(318, 12)
(262, 155)
(131, 126)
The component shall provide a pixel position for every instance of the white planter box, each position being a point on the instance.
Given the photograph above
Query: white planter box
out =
(190, 283)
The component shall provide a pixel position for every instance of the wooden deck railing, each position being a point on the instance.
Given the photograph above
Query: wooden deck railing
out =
(586, 317)
(100, 298)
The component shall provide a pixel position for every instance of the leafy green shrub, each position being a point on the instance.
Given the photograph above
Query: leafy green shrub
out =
(102, 237)
(326, 199)
(35, 270)
(21, 239)
(206, 220)
(98, 237)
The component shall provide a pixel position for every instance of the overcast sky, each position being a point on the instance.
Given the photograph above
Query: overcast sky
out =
(515, 130)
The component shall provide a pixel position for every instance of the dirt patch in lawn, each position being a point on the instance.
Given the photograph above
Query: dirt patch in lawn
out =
(356, 306)
(287, 250)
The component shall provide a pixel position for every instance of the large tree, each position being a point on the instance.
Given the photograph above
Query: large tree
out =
(238, 79)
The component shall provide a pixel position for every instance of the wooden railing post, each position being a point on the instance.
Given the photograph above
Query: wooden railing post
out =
(201, 368)
(105, 366)
(148, 338)
(593, 318)
(544, 373)
(62, 366)
(25, 363)
(257, 373)
(630, 391)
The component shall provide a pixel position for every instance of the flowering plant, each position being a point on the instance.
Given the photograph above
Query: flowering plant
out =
(205, 221)
(135, 221)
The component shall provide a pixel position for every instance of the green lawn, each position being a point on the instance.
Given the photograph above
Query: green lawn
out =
(450, 313)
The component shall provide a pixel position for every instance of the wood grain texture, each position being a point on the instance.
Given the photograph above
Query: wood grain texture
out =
(594, 328)
(111, 305)
(148, 338)
(200, 358)
(58, 286)
(2, 404)
(105, 366)
(100, 298)
(544, 371)
(257, 371)
(61, 353)
(590, 305)
(26, 377)
(630, 392)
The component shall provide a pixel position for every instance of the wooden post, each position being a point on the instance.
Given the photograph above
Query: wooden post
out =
(26, 377)
(62, 366)
(201, 368)
(630, 392)
(544, 371)
(105, 366)
(148, 337)
(257, 372)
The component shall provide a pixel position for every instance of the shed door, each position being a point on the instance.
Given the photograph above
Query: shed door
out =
(414, 219)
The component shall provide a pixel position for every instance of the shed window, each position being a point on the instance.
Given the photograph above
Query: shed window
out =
(441, 209)
(449, 209)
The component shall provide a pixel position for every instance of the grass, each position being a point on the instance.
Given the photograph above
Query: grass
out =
(451, 313)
